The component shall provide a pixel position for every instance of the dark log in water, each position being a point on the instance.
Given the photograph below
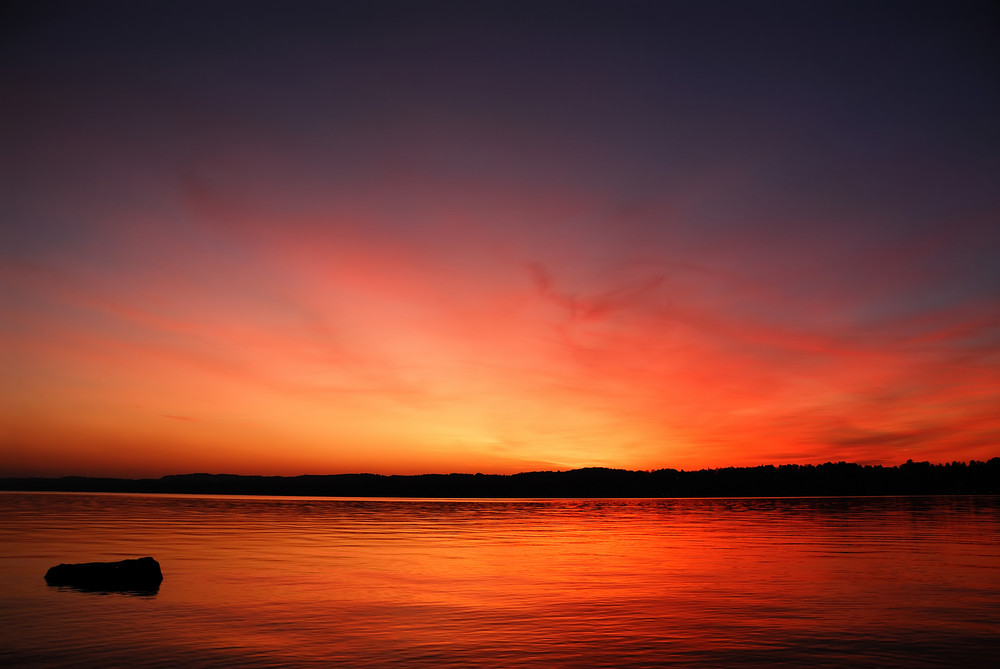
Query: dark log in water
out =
(137, 574)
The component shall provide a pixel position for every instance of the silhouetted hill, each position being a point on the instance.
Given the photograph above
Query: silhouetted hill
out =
(830, 479)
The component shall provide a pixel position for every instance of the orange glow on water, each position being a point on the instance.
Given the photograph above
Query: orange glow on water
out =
(458, 583)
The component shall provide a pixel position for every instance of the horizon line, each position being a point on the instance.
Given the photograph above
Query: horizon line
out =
(909, 461)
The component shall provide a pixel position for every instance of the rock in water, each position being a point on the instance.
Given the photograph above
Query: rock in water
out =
(138, 574)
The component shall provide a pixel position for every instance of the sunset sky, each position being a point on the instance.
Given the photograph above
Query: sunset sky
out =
(326, 237)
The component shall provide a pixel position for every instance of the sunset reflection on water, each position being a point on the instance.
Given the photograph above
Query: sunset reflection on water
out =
(616, 583)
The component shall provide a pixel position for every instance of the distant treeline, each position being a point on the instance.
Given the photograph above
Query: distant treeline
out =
(830, 479)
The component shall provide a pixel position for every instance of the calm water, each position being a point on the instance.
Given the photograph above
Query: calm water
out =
(266, 582)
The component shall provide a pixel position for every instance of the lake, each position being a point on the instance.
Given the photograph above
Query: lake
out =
(319, 582)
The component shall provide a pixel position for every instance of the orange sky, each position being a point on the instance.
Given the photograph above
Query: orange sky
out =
(460, 285)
